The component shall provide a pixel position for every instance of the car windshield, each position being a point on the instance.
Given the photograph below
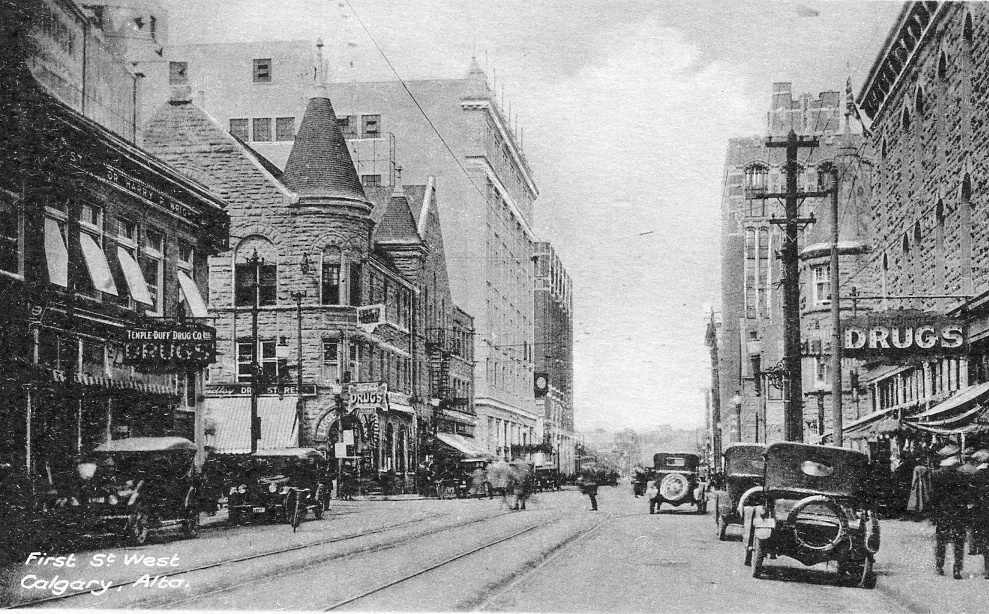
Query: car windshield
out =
(816, 469)
(683, 462)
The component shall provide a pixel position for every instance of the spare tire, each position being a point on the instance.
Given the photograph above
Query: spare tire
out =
(827, 502)
(674, 487)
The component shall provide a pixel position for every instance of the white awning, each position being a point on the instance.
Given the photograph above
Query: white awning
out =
(959, 403)
(192, 297)
(99, 268)
(135, 279)
(462, 444)
(230, 419)
(56, 254)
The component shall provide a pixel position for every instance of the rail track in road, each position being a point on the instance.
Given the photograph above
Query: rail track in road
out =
(279, 551)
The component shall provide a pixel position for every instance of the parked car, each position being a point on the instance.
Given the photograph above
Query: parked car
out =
(279, 485)
(816, 509)
(677, 482)
(742, 471)
(547, 479)
(130, 487)
(466, 486)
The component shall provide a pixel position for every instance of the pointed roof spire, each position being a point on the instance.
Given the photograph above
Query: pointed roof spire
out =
(477, 80)
(398, 191)
(320, 165)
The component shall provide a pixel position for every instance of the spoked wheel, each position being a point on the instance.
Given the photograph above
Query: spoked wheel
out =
(859, 573)
(137, 526)
(758, 557)
(190, 527)
(318, 510)
(296, 510)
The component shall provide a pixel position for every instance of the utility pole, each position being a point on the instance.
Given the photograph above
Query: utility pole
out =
(837, 437)
(300, 404)
(255, 263)
(793, 402)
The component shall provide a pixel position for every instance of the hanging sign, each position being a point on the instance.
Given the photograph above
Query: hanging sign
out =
(901, 335)
(370, 317)
(163, 345)
(367, 397)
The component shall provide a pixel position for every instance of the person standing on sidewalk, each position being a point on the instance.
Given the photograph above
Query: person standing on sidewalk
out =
(979, 519)
(949, 506)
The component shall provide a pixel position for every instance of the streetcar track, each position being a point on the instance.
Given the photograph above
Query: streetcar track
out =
(344, 555)
(250, 557)
(433, 567)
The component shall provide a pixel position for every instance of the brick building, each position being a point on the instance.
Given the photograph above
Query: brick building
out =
(750, 337)
(922, 95)
(553, 317)
(258, 91)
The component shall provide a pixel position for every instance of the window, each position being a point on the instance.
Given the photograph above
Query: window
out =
(99, 278)
(238, 128)
(824, 177)
(187, 256)
(285, 129)
(262, 70)
(355, 284)
(370, 126)
(822, 284)
(268, 363)
(331, 277)
(331, 361)
(757, 177)
(11, 234)
(127, 241)
(371, 181)
(262, 128)
(349, 126)
(56, 251)
(822, 371)
(265, 275)
(178, 73)
(153, 267)
(919, 102)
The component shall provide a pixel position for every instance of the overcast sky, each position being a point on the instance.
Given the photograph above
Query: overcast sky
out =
(626, 109)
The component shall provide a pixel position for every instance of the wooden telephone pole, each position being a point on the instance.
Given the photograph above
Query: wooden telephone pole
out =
(793, 396)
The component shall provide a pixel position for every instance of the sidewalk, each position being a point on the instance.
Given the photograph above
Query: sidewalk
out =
(905, 566)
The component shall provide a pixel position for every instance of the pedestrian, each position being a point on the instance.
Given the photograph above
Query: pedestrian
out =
(587, 483)
(652, 491)
(523, 484)
(949, 510)
(979, 519)
(477, 480)
(500, 477)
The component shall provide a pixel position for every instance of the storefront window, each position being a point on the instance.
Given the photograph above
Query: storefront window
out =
(11, 234)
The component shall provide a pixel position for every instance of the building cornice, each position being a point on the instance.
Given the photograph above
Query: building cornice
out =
(506, 135)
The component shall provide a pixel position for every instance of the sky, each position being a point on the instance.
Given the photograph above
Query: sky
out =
(625, 108)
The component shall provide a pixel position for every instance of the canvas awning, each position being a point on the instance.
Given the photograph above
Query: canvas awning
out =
(135, 278)
(960, 402)
(964, 412)
(99, 268)
(462, 444)
(56, 254)
(230, 419)
(197, 306)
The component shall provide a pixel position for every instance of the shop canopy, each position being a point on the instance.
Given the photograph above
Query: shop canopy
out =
(462, 444)
(965, 412)
(230, 418)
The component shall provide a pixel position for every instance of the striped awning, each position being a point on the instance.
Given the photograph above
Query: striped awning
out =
(229, 419)
(109, 383)
(964, 412)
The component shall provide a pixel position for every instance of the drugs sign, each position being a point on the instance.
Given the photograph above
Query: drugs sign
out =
(164, 346)
(902, 334)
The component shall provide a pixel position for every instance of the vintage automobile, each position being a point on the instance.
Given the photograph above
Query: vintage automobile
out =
(548, 479)
(815, 509)
(677, 482)
(129, 487)
(742, 468)
(279, 485)
(465, 487)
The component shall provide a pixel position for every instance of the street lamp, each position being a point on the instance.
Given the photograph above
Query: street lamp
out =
(255, 263)
(300, 404)
(820, 390)
(754, 348)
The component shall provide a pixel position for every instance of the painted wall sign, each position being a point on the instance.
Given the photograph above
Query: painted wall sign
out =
(170, 345)
(370, 316)
(244, 390)
(367, 396)
(902, 334)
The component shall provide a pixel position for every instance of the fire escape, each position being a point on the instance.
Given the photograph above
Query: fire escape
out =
(438, 353)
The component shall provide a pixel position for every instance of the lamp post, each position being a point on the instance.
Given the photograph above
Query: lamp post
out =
(255, 263)
(754, 348)
(820, 390)
(300, 404)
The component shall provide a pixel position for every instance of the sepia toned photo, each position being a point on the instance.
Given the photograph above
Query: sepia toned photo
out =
(519, 306)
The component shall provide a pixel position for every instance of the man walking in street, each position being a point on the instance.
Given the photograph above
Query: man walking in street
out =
(587, 483)
(949, 500)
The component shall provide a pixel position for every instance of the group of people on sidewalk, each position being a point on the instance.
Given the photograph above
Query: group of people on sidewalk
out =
(957, 495)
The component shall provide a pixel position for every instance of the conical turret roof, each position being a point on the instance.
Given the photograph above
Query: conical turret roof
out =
(320, 164)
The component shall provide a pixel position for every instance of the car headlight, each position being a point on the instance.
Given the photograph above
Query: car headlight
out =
(112, 500)
(242, 488)
(272, 488)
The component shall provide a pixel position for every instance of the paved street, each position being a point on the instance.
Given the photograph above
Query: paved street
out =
(429, 555)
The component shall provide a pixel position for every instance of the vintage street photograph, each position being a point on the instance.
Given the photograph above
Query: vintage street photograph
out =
(517, 306)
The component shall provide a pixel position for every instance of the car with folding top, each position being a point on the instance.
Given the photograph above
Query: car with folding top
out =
(742, 470)
(677, 481)
(816, 508)
(128, 488)
(281, 484)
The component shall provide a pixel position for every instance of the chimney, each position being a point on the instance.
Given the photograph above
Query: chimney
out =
(181, 94)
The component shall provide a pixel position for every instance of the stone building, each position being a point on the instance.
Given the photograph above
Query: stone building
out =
(258, 91)
(922, 95)
(553, 317)
(751, 334)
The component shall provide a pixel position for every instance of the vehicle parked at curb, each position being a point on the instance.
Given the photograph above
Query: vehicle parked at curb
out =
(677, 482)
(548, 479)
(279, 485)
(742, 470)
(130, 487)
(466, 485)
(815, 509)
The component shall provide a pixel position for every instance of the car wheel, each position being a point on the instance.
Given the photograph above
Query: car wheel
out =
(722, 529)
(190, 527)
(868, 574)
(758, 557)
(295, 510)
(137, 526)
(318, 509)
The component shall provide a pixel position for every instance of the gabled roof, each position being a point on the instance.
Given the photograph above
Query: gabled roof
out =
(320, 163)
(394, 219)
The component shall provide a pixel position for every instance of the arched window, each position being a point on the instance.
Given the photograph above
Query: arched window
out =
(255, 272)
(916, 233)
(942, 65)
(918, 103)
(906, 119)
(905, 243)
(883, 149)
(967, 34)
(966, 192)
(757, 177)
(824, 176)
(330, 276)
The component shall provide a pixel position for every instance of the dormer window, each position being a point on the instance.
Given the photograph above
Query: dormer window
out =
(262, 70)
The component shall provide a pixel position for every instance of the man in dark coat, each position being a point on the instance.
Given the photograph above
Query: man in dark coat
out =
(950, 498)
(588, 485)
